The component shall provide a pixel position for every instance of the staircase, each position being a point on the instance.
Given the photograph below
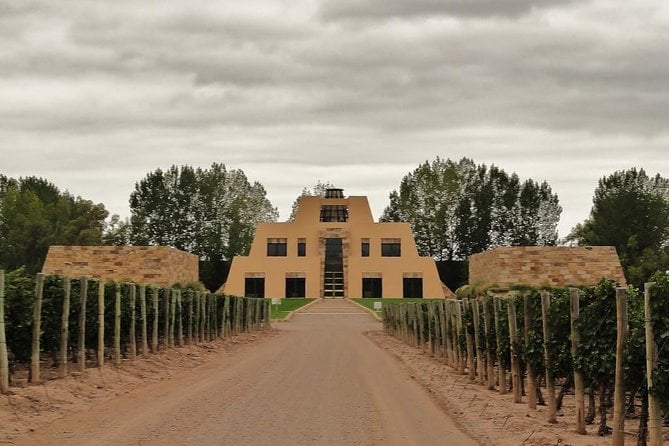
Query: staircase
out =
(333, 284)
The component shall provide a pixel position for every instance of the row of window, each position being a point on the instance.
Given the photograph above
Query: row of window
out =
(371, 287)
(278, 247)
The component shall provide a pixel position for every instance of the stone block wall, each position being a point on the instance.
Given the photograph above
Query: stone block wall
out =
(151, 265)
(546, 265)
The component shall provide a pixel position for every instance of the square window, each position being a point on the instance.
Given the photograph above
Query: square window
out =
(277, 247)
(372, 287)
(254, 287)
(413, 287)
(391, 249)
(364, 247)
(295, 287)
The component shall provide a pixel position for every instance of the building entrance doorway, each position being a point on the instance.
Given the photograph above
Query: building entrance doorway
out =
(333, 277)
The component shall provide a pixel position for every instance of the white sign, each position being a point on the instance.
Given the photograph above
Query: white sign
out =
(276, 301)
(378, 306)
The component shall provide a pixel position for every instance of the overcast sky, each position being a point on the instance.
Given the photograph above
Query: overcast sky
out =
(95, 94)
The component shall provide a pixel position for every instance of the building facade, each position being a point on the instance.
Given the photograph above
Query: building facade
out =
(333, 248)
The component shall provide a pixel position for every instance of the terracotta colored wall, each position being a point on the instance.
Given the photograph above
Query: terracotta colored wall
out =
(152, 265)
(546, 265)
(308, 227)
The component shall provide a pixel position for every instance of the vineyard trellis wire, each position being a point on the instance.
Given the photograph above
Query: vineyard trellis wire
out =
(547, 342)
(61, 320)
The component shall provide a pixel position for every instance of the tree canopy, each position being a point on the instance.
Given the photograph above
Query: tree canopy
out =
(209, 212)
(631, 212)
(459, 208)
(34, 214)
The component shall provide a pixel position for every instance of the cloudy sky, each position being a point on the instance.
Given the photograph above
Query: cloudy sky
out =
(94, 94)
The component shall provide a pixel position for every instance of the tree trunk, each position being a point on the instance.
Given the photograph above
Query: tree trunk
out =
(643, 419)
(603, 428)
(590, 417)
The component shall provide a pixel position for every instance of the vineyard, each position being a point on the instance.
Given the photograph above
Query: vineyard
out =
(54, 321)
(607, 346)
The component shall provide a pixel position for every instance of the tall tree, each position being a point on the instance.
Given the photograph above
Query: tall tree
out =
(210, 212)
(459, 208)
(34, 214)
(631, 212)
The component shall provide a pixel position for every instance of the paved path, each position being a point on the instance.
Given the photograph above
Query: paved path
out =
(321, 383)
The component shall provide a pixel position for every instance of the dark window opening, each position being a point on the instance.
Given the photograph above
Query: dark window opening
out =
(301, 248)
(334, 193)
(413, 287)
(254, 287)
(334, 213)
(364, 248)
(277, 248)
(393, 249)
(295, 287)
(372, 287)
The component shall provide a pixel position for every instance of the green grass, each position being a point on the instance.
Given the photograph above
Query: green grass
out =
(369, 302)
(287, 305)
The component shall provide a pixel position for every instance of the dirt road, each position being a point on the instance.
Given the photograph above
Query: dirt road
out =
(320, 383)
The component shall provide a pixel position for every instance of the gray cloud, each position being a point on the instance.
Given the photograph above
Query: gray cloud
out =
(365, 9)
(294, 93)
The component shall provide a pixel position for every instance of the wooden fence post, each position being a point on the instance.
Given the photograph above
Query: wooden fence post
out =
(133, 327)
(180, 327)
(548, 353)
(81, 341)
(166, 321)
(458, 320)
(37, 329)
(101, 323)
(531, 374)
(477, 342)
(154, 331)
(117, 324)
(64, 328)
(173, 319)
(579, 386)
(471, 366)
(145, 329)
(487, 325)
(513, 341)
(4, 359)
(619, 390)
(654, 408)
(501, 371)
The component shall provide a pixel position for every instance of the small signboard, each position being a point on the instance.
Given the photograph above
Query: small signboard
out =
(276, 301)
(378, 306)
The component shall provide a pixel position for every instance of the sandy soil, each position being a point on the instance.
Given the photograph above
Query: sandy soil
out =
(321, 381)
(330, 376)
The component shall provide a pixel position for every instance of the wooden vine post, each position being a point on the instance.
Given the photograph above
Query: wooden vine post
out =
(513, 341)
(458, 317)
(166, 321)
(64, 329)
(133, 323)
(180, 326)
(531, 373)
(487, 326)
(154, 331)
(445, 339)
(191, 297)
(173, 319)
(142, 310)
(101, 323)
(195, 298)
(654, 408)
(579, 386)
(497, 307)
(4, 359)
(548, 354)
(226, 316)
(117, 324)
(37, 328)
(477, 342)
(81, 341)
(619, 390)
(471, 366)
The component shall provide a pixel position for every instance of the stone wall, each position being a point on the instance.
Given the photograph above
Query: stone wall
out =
(546, 265)
(151, 265)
